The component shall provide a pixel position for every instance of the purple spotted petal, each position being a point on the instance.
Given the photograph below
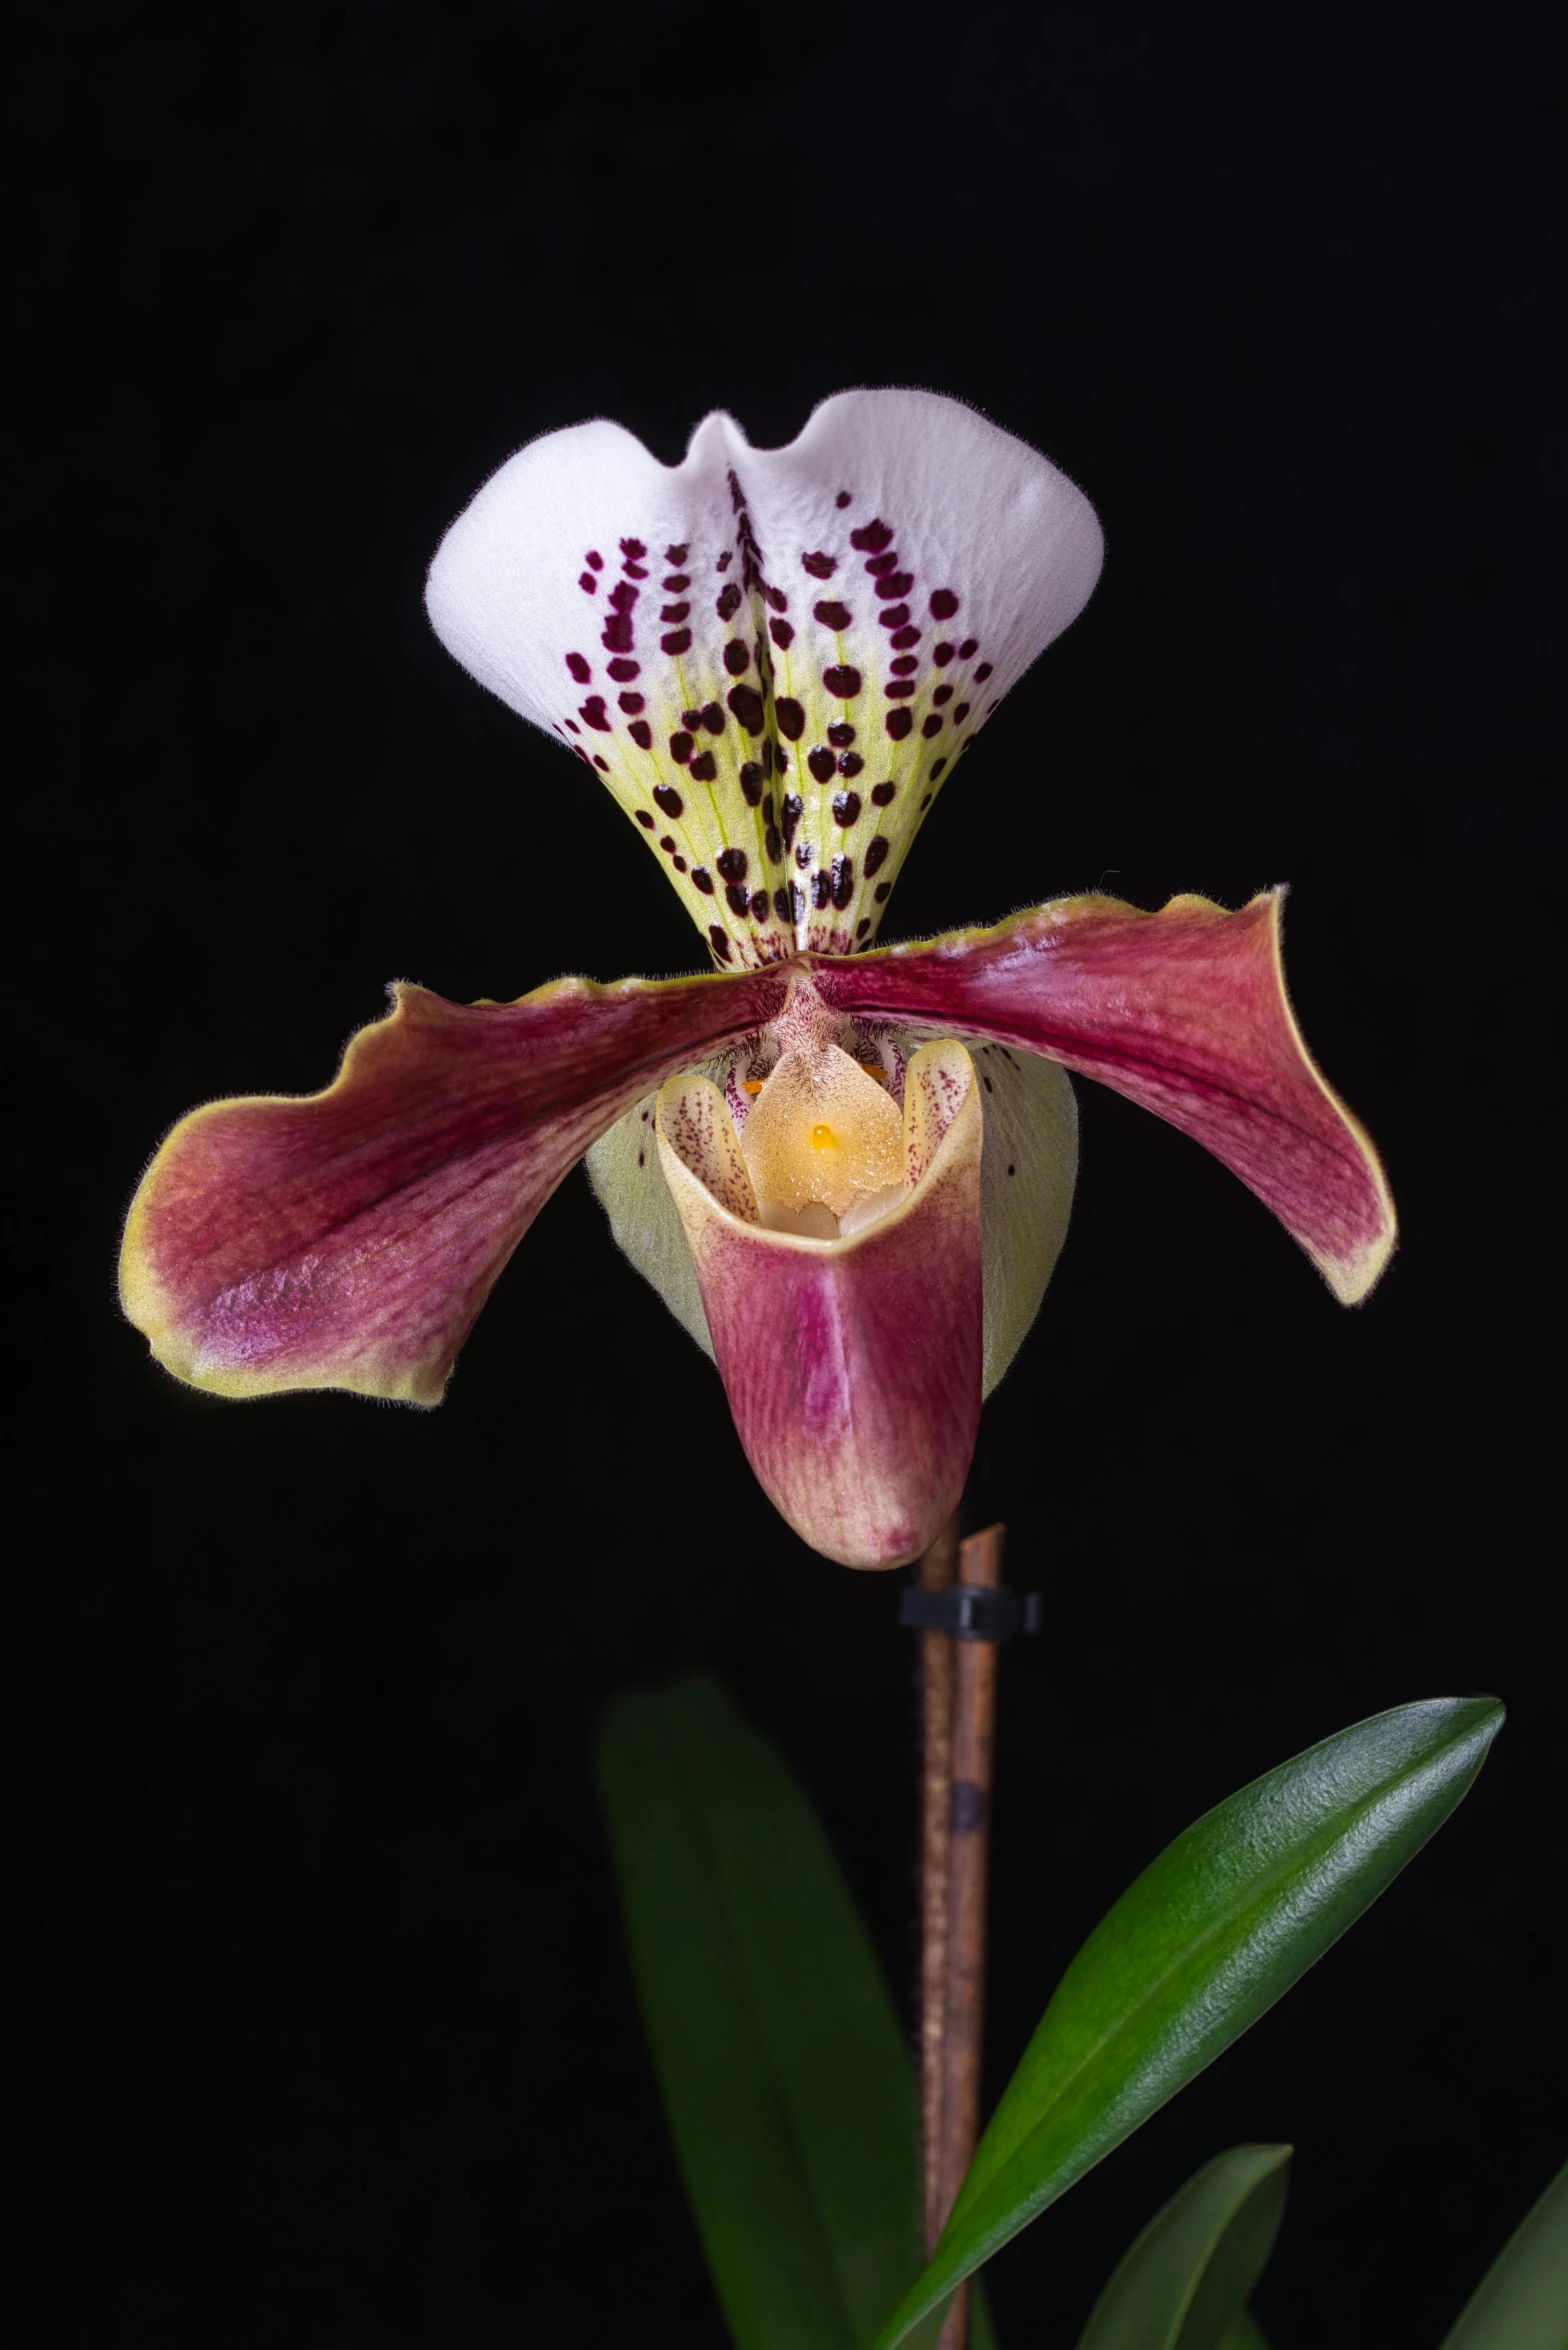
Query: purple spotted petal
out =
(852, 1366)
(772, 657)
(1183, 1011)
(349, 1239)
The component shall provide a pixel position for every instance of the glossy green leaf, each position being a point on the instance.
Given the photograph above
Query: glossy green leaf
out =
(1212, 1933)
(1522, 2301)
(785, 2070)
(1244, 2333)
(1184, 2282)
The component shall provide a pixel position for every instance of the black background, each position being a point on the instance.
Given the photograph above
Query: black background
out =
(334, 2044)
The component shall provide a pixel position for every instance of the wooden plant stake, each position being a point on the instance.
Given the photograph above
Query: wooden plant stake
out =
(958, 1708)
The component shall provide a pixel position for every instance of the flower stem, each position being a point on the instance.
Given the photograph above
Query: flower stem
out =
(958, 1709)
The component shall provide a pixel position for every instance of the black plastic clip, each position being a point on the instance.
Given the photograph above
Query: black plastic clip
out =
(970, 1611)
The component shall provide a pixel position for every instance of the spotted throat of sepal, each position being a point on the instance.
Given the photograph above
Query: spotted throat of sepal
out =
(777, 720)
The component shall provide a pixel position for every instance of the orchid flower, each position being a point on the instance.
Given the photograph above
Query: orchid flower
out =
(847, 1169)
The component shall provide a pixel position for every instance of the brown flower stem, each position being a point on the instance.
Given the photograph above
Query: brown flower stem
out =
(959, 1710)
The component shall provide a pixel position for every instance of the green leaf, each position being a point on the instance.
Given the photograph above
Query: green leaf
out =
(784, 2067)
(1522, 2301)
(1184, 2283)
(1212, 1933)
(1244, 2333)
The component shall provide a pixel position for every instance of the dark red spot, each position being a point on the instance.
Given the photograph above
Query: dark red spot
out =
(596, 559)
(737, 897)
(884, 891)
(846, 807)
(840, 733)
(833, 615)
(622, 597)
(943, 604)
(759, 906)
(593, 713)
(680, 748)
(904, 636)
(968, 649)
(933, 725)
(900, 689)
(774, 846)
(633, 550)
(843, 683)
(630, 703)
(905, 665)
(746, 703)
(634, 571)
(803, 854)
(602, 764)
(942, 696)
(669, 799)
(895, 617)
(679, 864)
(705, 767)
(677, 582)
(983, 672)
(899, 584)
(843, 881)
(675, 612)
(842, 499)
(850, 763)
(876, 855)
(692, 719)
(782, 634)
(937, 769)
(667, 844)
(725, 560)
(729, 601)
(794, 809)
(751, 778)
(645, 820)
(925, 803)
(960, 713)
(871, 538)
(822, 764)
(821, 890)
(721, 944)
(587, 583)
(713, 717)
(572, 723)
(779, 757)
(767, 809)
(676, 554)
(882, 794)
(775, 597)
(617, 634)
(678, 641)
(820, 566)
(579, 668)
(624, 671)
(642, 1157)
(737, 660)
(861, 927)
(898, 723)
(880, 565)
(703, 880)
(732, 864)
(781, 904)
(791, 718)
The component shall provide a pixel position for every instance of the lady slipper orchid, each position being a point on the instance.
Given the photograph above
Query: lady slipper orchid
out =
(846, 1169)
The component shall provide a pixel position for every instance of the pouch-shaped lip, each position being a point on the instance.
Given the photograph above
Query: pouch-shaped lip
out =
(852, 1366)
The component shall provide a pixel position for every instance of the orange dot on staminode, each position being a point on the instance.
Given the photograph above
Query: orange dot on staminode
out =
(822, 1138)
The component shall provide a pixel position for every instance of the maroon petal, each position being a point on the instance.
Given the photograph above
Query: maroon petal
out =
(852, 1366)
(348, 1239)
(1185, 1012)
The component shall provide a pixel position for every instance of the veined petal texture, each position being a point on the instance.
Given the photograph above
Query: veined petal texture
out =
(349, 1238)
(772, 657)
(1185, 1012)
(852, 1366)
